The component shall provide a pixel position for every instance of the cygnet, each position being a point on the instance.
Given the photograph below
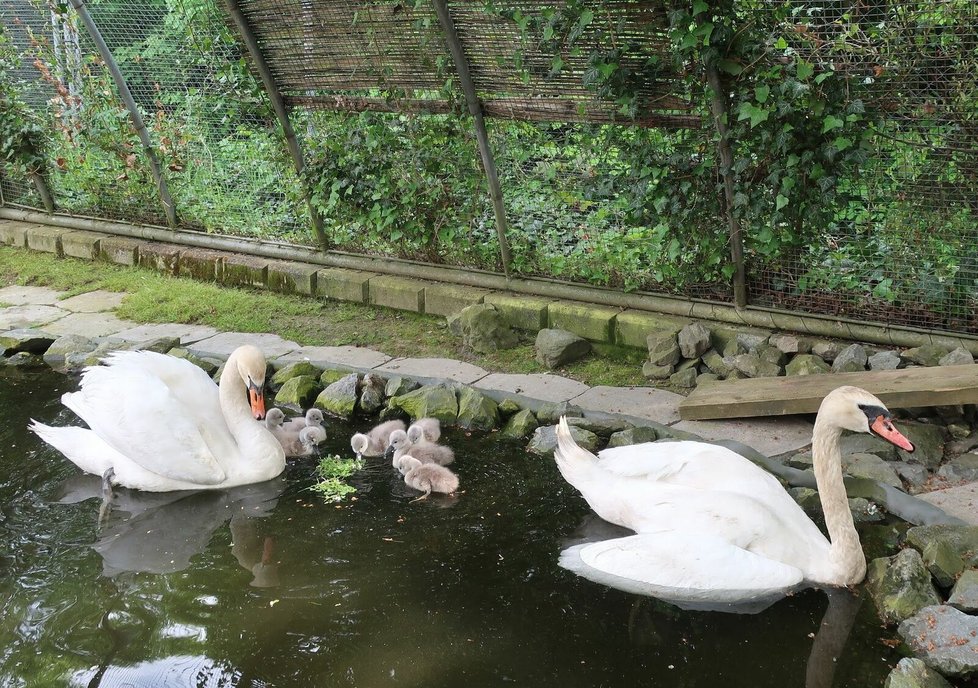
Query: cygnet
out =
(302, 443)
(312, 419)
(426, 452)
(428, 477)
(424, 429)
(375, 442)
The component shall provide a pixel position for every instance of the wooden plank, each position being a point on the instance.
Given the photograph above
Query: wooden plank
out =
(782, 396)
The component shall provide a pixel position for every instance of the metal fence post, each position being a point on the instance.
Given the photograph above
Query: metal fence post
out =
(482, 136)
(720, 110)
(281, 111)
(137, 121)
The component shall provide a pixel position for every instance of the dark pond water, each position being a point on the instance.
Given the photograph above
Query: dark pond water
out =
(269, 586)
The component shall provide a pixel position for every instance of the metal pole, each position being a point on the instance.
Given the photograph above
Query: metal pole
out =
(137, 120)
(481, 135)
(281, 111)
(720, 112)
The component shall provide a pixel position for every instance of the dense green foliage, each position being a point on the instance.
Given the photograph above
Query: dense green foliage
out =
(22, 135)
(852, 125)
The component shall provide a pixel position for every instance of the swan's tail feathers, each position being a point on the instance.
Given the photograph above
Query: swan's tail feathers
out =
(570, 457)
(81, 446)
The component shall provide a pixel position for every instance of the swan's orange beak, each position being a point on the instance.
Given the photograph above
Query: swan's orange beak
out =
(257, 400)
(883, 427)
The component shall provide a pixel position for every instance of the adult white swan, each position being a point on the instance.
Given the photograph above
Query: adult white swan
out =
(159, 423)
(712, 527)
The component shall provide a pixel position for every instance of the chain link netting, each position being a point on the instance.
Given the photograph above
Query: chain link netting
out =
(584, 201)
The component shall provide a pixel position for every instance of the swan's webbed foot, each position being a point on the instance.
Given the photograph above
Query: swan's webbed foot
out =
(106, 506)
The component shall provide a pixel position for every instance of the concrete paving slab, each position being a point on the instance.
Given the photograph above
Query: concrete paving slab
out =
(186, 333)
(960, 501)
(535, 385)
(22, 296)
(769, 436)
(325, 356)
(29, 315)
(93, 301)
(89, 324)
(221, 345)
(445, 368)
(654, 404)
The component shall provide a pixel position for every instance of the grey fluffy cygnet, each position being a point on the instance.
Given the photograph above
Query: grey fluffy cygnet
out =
(427, 477)
(424, 429)
(426, 452)
(294, 438)
(302, 443)
(312, 419)
(375, 442)
(274, 418)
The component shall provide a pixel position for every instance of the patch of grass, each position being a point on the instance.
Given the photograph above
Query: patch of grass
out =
(331, 471)
(155, 298)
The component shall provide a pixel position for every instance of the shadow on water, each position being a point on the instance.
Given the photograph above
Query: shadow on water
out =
(268, 585)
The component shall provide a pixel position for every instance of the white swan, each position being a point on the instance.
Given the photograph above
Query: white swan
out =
(159, 423)
(711, 526)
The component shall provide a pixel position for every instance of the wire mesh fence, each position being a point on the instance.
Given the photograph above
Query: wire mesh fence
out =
(391, 159)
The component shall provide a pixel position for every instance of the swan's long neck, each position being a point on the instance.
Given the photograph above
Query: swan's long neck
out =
(251, 436)
(846, 554)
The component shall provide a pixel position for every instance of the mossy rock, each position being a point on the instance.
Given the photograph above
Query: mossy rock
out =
(520, 425)
(205, 364)
(430, 401)
(603, 427)
(544, 440)
(900, 586)
(331, 375)
(340, 398)
(304, 368)
(397, 386)
(298, 393)
(637, 435)
(551, 412)
(476, 411)
(508, 407)
(963, 540)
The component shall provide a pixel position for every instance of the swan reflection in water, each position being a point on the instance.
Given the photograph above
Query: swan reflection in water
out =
(159, 532)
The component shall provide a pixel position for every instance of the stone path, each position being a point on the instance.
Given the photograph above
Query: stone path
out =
(91, 315)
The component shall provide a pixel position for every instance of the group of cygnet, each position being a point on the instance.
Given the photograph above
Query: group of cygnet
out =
(298, 436)
(414, 451)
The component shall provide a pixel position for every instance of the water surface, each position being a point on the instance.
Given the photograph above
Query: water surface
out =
(267, 585)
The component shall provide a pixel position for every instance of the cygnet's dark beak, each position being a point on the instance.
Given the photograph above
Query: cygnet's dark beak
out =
(389, 454)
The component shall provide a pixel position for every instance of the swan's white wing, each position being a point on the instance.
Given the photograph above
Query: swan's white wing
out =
(690, 570)
(138, 415)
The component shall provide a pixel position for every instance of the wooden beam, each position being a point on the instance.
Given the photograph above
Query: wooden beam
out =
(137, 120)
(782, 396)
(481, 135)
(280, 108)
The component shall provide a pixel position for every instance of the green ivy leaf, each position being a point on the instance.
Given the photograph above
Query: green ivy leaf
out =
(761, 93)
(730, 67)
(831, 122)
(587, 16)
(804, 70)
(750, 111)
(841, 143)
(780, 202)
(699, 6)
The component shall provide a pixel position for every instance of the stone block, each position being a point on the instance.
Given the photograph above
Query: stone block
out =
(397, 292)
(163, 258)
(344, 285)
(13, 234)
(83, 245)
(118, 250)
(201, 264)
(46, 239)
(584, 319)
(633, 327)
(448, 299)
(244, 271)
(292, 278)
(521, 312)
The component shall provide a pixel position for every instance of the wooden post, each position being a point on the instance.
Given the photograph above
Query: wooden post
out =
(137, 120)
(278, 105)
(41, 187)
(482, 136)
(719, 106)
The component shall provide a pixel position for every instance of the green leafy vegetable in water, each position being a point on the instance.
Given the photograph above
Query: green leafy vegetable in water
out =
(331, 471)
